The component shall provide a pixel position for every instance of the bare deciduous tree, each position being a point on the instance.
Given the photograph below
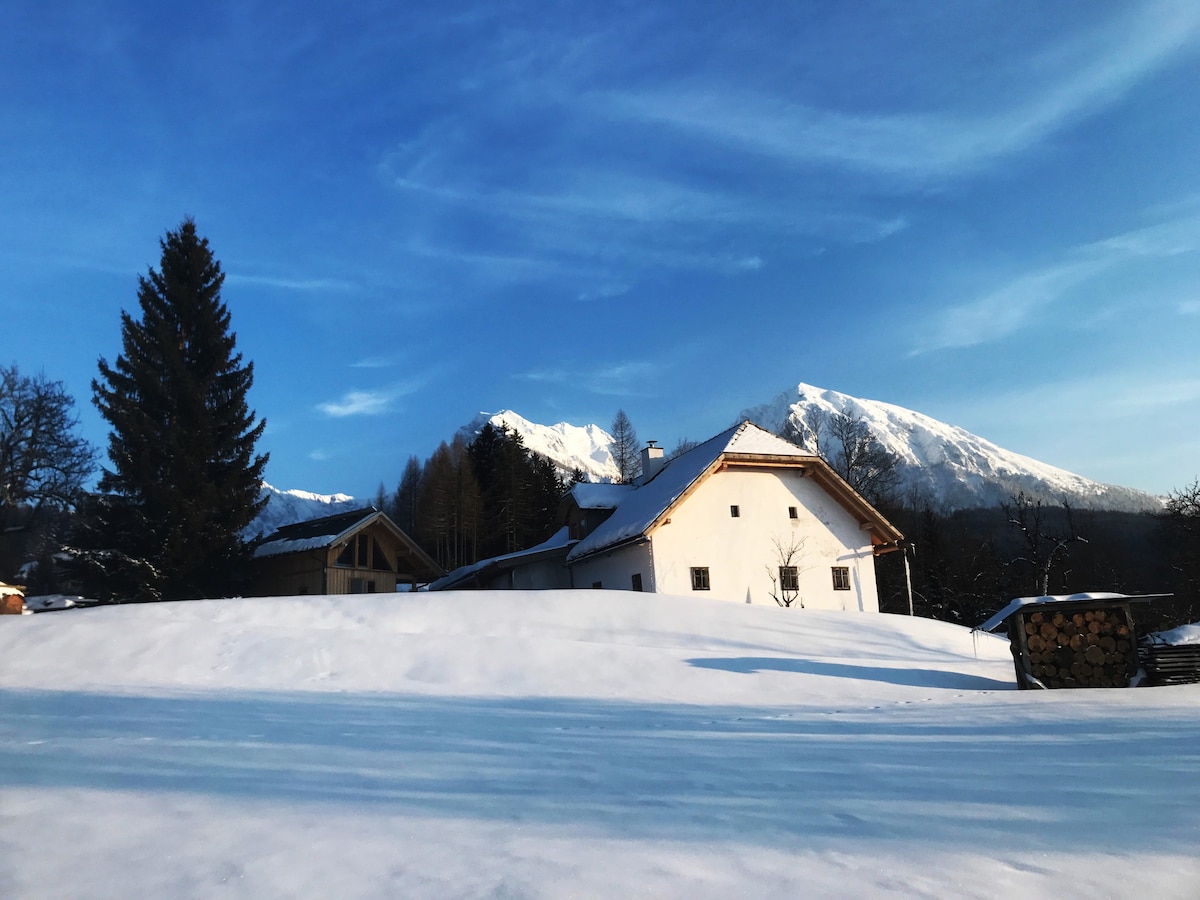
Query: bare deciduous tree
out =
(846, 442)
(1044, 544)
(42, 461)
(1181, 518)
(785, 574)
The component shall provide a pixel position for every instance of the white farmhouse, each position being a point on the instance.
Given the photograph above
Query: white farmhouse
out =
(745, 516)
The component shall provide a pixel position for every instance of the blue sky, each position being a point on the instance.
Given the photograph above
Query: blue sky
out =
(988, 212)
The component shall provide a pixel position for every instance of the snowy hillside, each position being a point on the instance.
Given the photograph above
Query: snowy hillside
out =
(954, 467)
(551, 744)
(289, 507)
(585, 447)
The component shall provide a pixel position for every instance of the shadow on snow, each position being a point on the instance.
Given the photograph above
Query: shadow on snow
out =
(964, 775)
(928, 678)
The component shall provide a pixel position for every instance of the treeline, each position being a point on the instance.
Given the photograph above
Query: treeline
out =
(963, 565)
(473, 501)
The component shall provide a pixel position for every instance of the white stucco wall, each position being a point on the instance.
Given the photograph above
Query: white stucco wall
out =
(738, 551)
(544, 575)
(615, 570)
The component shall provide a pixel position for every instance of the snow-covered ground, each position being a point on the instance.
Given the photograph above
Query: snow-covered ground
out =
(572, 744)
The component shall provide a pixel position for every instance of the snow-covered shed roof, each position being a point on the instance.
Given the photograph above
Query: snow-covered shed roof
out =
(556, 544)
(315, 534)
(645, 507)
(1051, 599)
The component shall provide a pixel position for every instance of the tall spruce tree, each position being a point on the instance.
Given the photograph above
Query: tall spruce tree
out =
(185, 479)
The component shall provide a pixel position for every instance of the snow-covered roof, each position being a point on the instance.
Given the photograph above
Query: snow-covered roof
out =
(643, 507)
(314, 534)
(559, 541)
(1049, 599)
(1184, 635)
(599, 496)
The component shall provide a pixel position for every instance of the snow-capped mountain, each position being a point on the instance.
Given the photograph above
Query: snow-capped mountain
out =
(569, 447)
(953, 467)
(290, 507)
(950, 466)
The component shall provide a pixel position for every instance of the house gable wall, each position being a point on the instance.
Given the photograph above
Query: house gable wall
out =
(740, 552)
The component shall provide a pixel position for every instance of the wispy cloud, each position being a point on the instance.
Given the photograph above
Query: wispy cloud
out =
(376, 362)
(1014, 305)
(619, 379)
(1007, 309)
(368, 402)
(582, 217)
(603, 292)
(314, 285)
(1076, 81)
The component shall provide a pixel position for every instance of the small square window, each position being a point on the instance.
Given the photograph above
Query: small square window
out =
(789, 578)
(841, 578)
(793, 513)
(735, 511)
(637, 581)
(700, 578)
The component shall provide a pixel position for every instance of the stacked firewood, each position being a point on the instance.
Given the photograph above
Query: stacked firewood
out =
(1081, 648)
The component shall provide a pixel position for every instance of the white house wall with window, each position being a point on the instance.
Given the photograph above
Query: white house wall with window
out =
(747, 517)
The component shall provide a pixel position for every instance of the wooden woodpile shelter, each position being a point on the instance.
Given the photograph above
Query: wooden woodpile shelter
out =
(1075, 641)
(1081, 647)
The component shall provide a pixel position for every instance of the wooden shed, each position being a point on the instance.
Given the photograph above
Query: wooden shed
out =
(357, 552)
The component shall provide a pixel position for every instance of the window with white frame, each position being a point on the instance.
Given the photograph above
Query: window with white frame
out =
(699, 578)
(841, 578)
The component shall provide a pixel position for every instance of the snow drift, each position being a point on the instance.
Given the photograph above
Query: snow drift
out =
(571, 743)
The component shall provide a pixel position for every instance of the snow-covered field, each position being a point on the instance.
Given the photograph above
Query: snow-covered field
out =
(572, 744)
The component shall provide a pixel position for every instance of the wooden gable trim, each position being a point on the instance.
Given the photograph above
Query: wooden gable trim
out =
(884, 535)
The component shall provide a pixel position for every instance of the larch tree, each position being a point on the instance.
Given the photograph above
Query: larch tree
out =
(624, 448)
(185, 479)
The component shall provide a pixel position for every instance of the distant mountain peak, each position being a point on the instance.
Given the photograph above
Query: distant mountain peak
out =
(569, 447)
(952, 467)
(292, 506)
